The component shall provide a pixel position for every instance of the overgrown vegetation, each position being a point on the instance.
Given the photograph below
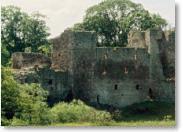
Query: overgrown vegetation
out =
(25, 105)
(22, 103)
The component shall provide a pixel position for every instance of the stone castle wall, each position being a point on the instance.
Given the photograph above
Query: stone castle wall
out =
(117, 76)
(122, 63)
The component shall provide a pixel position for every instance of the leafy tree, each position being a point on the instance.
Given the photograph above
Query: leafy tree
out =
(22, 102)
(113, 19)
(5, 55)
(20, 30)
(9, 94)
(45, 49)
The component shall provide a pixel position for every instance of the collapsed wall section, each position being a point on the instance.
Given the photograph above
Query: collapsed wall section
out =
(28, 60)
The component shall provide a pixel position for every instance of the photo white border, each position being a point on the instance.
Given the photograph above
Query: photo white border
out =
(179, 91)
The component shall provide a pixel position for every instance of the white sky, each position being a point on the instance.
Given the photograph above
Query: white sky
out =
(65, 13)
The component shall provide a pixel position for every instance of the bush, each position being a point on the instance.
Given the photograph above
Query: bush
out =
(5, 121)
(32, 106)
(148, 110)
(22, 103)
(77, 111)
(9, 94)
(19, 122)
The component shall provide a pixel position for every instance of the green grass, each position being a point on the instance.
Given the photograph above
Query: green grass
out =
(121, 124)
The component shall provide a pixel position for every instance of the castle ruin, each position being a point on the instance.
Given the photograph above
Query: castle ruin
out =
(103, 76)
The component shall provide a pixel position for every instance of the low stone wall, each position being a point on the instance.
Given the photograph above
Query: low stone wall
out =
(26, 60)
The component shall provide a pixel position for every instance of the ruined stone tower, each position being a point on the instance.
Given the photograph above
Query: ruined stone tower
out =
(74, 52)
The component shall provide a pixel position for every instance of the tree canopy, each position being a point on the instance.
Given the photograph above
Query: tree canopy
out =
(20, 31)
(22, 101)
(113, 19)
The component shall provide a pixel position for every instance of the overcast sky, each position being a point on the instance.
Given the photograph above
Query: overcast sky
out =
(65, 13)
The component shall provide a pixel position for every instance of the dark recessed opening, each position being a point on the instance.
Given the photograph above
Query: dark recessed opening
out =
(58, 54)
(150, 93)
(26, 80)
(115, 86)
(50, 82)
(70, 96)
(137, 86)
(98, 101)
(84, 62)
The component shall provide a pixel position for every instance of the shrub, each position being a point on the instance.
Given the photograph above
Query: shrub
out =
(9, 94)
(32, 106)
(19, 122)
(77, 111)
(148, 110)
(5, 121)
(22, 102)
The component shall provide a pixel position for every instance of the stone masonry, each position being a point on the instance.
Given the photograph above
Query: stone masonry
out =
(104, 76)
